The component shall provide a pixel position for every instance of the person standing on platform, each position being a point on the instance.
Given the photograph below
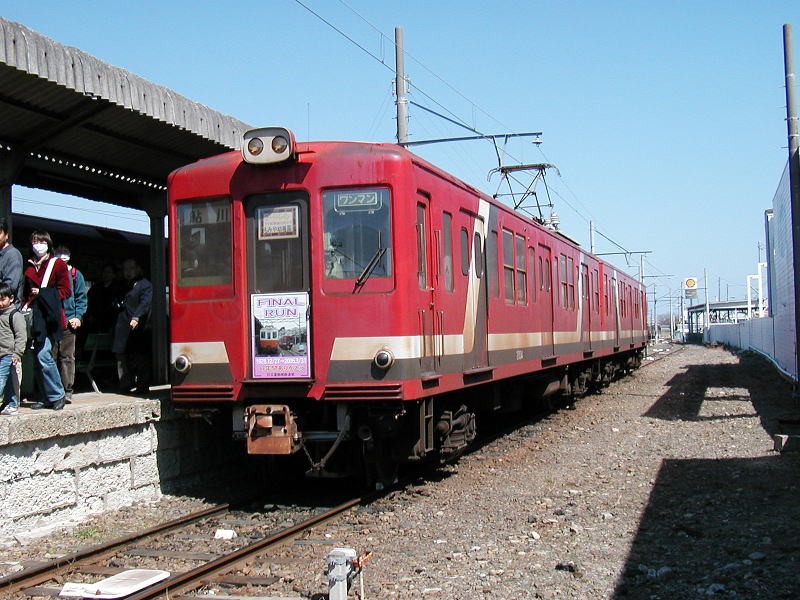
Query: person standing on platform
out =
(131, 335)
(13, 339)
(11, 266)
(11, 263)
(101, 314)
(74, 309)
(46, 286)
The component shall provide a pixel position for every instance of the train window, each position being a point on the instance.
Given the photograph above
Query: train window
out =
(532, 262)
(447, 257)
(357, 233)
(204, 243)
(595, 291)
(571, 282)
(541, 275)
(562, 263)
(491, 260)
(585, 284)
(522, 272)
(422, 250)
(277, 242)
(477, 252)
(464, 251)
(606, 298)
(508, 265)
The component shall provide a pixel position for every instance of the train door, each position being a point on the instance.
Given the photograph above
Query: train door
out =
(278, 284)
(545, 299)
(585, 309)
(473, 267)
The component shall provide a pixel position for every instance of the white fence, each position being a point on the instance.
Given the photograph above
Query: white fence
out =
(766, 336)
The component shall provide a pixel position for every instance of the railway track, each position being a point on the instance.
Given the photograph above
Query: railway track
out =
(145, 549)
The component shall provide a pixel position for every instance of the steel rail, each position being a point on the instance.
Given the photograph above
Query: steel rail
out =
(189, 580)
(41, 573)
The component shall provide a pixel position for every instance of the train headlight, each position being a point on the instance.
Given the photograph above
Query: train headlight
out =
(182, 363)
(267, 145)
(279, 144)
(255, 146)
(383, 359)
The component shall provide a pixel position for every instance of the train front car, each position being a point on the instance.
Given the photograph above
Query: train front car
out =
(285, 300)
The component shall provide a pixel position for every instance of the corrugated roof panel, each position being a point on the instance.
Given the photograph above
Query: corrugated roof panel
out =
(30, 51)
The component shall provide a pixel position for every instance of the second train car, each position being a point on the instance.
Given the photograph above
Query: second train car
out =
(415, 303)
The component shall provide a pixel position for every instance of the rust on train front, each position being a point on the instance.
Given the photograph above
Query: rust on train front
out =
(271, 429)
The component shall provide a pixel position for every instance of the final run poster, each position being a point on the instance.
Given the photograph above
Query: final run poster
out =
(280, 336)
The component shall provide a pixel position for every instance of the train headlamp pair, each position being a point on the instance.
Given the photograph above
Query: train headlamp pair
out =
(278, 140)
(256, 145)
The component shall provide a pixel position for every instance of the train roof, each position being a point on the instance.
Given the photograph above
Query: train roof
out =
(227, 163)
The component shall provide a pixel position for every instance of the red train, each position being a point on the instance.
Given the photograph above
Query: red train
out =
(415, 303)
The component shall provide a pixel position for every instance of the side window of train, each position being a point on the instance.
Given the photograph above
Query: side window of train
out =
(562, 272)
(522, 271)
(532, 263)
(542, 278)
(508, 265)
(477, 252)
(492, 264)
(204, 243)
(422, 250)
(586, 293)
(546, 275)
(357, 231)
(464, 251)
(606, 297)
(447, 251)
(595, 291)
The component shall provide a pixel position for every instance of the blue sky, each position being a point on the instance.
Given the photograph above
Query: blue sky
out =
(666, 120)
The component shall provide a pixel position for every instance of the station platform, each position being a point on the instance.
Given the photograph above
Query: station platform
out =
(88, 412)
(101, 452)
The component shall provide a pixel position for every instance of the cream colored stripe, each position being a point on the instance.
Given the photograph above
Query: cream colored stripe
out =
(200, 352)
(406, 347)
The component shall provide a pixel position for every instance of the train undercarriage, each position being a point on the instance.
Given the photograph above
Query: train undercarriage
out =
(370, 440)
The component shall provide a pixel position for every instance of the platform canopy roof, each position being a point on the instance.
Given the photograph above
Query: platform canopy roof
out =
(73, 124)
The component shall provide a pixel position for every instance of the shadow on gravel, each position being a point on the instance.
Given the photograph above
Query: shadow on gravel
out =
(722, 528)
(726, 528)
(729, 391)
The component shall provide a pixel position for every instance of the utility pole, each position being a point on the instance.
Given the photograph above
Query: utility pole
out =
(591, 237)
(794, 185)
(706, 318)
(400, 87)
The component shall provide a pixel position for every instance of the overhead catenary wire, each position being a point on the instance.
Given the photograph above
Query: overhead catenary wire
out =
(454, 119)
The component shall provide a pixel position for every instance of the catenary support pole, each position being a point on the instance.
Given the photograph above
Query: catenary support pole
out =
(794, 184)
(400, 87)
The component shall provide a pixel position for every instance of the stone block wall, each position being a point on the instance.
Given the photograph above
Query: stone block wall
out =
(58, 468)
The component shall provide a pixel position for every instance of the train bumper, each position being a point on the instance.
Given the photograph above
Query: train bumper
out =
(271, 429)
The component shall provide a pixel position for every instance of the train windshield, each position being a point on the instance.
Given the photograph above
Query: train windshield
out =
(279, 245)
(204, 243)
(357, 233)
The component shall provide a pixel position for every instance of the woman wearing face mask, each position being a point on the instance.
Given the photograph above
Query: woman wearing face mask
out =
(46, 285)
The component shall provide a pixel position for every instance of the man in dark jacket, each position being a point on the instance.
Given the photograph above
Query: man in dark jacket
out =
(131, 334)
(11, 263)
